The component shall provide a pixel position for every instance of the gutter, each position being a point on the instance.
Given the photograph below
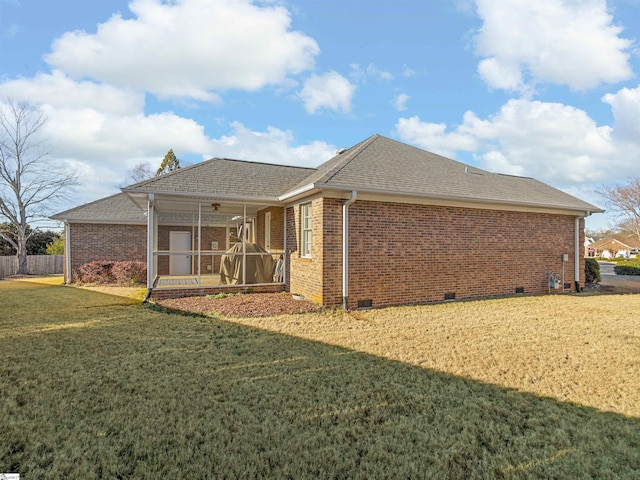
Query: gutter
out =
(345, 249)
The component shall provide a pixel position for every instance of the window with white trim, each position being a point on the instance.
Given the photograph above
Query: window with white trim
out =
(305, 214)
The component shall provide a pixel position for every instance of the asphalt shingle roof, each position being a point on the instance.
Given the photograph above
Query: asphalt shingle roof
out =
(226, 177)
(377, 164)
(117, 208)
(380, 164)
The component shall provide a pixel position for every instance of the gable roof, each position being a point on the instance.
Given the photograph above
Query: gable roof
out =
(386, 166)
(116, 208)
(223, 177)
(619, 241)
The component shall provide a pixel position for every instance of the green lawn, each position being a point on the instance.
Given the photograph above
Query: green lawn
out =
(97, 386)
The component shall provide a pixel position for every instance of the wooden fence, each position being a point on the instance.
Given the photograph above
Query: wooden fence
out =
(37, 265)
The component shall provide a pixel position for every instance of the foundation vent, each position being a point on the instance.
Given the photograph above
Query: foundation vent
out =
(450, 296)
(519, 289)
(365, 303)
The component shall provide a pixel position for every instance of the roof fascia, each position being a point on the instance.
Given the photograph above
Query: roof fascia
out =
(106, 222)
(453, 201)
(297, 192)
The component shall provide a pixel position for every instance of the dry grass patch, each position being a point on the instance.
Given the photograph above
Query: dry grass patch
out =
(98, 386)
(579, 349)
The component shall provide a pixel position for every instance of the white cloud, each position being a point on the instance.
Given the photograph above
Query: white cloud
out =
(407, 72)
(626, 111)
(362, 74)
(567, 42)
(56, 89)
(400, 102)
(549, 141)
(434, 136)
(189, 48)
(329, 91)
(272, 146)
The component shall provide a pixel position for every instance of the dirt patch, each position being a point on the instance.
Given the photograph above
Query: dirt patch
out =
(242, 305)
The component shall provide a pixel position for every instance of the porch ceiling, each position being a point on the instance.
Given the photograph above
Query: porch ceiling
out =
(169, 204)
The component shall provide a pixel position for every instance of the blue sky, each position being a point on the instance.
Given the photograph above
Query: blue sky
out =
(547, 89)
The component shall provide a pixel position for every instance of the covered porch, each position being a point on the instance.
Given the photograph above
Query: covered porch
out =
(199, 245)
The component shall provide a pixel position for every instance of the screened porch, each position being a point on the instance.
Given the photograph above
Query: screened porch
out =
(197, 243)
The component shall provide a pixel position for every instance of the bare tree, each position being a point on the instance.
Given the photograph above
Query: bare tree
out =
(624, 202)
(140, 172)
(29, 184)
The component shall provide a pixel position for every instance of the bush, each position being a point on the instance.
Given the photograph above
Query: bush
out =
(591, 270)
(105, 272)
(96, 272)
(131, 273)
(627, 268)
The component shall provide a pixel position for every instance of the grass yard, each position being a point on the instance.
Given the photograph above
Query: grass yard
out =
(95, 386)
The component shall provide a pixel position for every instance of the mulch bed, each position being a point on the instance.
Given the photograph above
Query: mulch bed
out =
(242, 305)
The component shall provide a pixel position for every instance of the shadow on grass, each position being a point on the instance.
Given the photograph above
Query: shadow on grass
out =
(132, 392)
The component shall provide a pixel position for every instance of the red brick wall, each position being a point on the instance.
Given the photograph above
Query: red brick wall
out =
(304, 275)
(277, 228)
(402, 253)
(93, 242)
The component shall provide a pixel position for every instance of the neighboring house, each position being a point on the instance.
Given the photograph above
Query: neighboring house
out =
(620, 245)
(381, 223)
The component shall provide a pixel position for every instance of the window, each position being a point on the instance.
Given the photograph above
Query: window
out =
(305, 212)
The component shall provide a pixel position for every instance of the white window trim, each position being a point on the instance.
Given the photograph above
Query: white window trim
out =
(306, 213)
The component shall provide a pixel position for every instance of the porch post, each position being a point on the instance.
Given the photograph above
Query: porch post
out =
(284, 255)
(150, 242)
(244, 243)
(199, 241)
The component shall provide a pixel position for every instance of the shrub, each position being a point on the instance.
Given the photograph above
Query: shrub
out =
(131, 273)
(96, 272)
(627, 268)
(105, 272)
(591, 270)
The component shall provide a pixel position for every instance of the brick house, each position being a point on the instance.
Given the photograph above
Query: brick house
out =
(381, 223)
(619, 245)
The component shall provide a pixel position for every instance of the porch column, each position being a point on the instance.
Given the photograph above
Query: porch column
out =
(200, 243)
(285, 254)
(244, 244)
(150, 241)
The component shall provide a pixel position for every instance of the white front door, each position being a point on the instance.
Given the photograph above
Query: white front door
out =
(180, 264)
(267, 231)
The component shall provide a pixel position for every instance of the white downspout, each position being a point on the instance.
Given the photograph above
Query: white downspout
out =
(345, 248)
(577, 254)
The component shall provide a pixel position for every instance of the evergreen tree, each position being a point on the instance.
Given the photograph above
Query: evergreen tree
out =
(169, 164)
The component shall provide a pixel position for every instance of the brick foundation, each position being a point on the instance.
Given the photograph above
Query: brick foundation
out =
(161, 294)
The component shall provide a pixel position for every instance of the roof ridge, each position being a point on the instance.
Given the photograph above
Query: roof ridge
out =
(173, 172)
(350, 155)
(263, 163)
(205, 162)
